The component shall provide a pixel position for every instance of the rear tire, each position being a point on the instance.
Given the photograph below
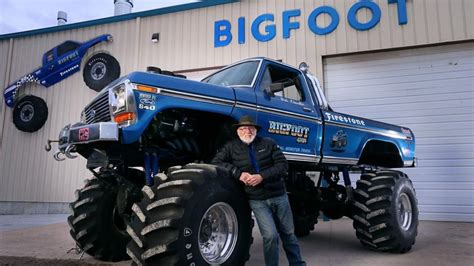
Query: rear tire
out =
(95, 223)
(30, 113)
(180, 221)
(385, 211)
(303, 201)
(100, 70)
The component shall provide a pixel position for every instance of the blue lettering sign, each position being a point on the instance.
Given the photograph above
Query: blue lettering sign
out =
(241, 22)
(289, 22)
(287, 25)
(269, 29)
(222, 29)
(401, 10)
(329, 28)
(352, 15)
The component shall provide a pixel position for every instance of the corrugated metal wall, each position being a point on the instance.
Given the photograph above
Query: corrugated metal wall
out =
(28, 173)
(431, 91)
(4, 63)
(186, 38)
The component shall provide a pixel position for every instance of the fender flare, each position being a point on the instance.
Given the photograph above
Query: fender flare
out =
(11, 92)
(394, 144)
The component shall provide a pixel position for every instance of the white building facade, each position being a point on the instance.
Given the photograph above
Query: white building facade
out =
(406, 62)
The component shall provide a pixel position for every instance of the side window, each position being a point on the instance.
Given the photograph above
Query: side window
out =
(49, 56)
(266, 80)
(282, 82)
(67, 47)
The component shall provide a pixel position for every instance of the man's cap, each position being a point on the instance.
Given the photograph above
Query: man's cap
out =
(246, 120)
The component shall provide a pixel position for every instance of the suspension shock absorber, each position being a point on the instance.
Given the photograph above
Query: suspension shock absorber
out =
(154, 163)
(348, 185)
(151, 166)
(148, 171)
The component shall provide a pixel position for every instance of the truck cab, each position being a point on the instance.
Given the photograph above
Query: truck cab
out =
(291, 107)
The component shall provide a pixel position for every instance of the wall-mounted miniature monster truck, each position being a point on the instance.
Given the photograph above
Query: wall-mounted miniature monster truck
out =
(30, 112)
(196, 214)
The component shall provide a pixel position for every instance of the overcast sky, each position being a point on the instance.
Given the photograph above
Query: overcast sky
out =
(23, 15)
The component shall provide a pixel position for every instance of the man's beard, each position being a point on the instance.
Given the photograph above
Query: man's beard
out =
(248, 140)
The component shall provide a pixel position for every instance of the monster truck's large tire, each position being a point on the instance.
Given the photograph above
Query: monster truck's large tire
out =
(303, 201)
(100, 70)
(385, 211)
(198, 216)
(30, 113)
(95, 224)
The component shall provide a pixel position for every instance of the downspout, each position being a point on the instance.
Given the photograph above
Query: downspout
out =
(137, 41)
(5, 84)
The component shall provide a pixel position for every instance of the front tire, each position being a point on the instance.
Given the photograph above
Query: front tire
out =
(198, 215)
(385, 211)
(95, 223)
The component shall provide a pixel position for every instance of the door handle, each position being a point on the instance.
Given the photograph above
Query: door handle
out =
(306, 109)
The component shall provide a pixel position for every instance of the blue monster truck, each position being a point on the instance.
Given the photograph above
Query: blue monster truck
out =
(135, 132)
(30, 112)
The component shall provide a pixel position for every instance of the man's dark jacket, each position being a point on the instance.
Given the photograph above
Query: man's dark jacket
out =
(272, 163)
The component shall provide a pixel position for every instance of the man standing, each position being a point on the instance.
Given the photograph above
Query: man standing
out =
(260, 165)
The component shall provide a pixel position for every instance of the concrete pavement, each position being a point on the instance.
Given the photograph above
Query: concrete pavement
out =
(45, 240)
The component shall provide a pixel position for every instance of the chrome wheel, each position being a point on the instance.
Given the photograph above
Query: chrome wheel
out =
(27, 112)
(218, 232)
(405, 215)
(98, 70)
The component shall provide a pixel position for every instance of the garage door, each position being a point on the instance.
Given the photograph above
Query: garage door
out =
(429, 90)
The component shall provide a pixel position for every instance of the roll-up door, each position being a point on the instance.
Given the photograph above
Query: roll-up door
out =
(431, 91)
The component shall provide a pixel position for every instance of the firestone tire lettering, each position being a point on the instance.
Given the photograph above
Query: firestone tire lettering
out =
(108, 71)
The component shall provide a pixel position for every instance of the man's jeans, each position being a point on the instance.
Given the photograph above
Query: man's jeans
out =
(274, 218)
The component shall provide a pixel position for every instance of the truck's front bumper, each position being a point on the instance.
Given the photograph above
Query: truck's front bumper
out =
(87, 133)
(79, 133)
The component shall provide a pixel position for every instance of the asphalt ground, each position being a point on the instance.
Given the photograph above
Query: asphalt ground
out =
(45, 240)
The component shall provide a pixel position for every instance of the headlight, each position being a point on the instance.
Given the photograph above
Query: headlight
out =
(118, 99)
(122, 104)
(83, 117)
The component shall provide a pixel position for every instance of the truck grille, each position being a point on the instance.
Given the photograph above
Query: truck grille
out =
(98, 109)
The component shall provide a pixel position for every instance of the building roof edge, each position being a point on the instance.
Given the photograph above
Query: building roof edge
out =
(112, 19)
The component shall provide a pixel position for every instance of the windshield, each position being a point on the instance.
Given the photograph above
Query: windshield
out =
(238, 75)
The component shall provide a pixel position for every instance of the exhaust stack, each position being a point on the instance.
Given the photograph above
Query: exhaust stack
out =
(123, 7)
(62, 18)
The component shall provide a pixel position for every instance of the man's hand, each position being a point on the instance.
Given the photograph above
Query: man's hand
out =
(244, 177)
(254, 180)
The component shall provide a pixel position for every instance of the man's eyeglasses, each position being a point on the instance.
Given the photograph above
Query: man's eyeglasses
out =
(244, 128)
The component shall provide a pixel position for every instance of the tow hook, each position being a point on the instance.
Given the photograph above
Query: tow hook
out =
(47, 147)
(68, 151)
(57, 156)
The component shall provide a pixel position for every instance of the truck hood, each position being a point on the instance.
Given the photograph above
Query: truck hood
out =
(182, 85)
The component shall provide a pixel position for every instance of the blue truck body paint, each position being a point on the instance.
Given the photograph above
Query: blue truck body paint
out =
(296, 130)
(176, 93)
(306, 129)
(59, 63)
